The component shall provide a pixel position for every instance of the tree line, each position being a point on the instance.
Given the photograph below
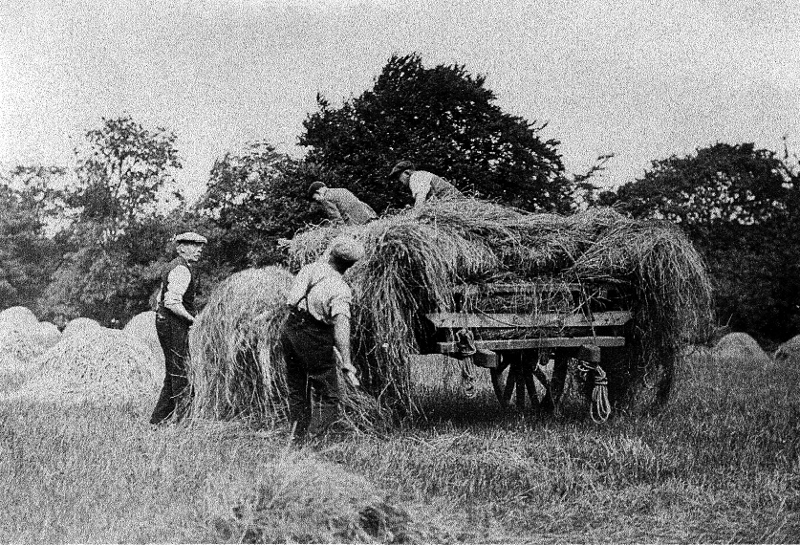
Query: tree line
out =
(91, 240)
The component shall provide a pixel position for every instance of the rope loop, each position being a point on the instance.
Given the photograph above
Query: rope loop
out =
(600, 407)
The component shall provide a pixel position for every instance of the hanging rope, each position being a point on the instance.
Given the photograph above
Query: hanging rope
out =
(600, 407)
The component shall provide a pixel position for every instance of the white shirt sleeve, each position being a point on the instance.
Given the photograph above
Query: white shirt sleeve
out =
(420, 183)
(177, 283)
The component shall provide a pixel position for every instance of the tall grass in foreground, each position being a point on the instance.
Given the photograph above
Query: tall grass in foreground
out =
(720, 464)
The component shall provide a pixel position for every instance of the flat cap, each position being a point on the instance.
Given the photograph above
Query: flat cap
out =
(400, 167)
(313, 188)
(191, 237)
(347, 249)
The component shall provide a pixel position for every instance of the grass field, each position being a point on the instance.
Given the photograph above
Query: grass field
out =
(721, 464)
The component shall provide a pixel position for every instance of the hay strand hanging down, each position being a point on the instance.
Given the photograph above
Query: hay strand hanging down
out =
(236, 367)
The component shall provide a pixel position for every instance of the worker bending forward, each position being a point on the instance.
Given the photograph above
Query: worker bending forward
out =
(340, 205)
(174, 316)
(318, 326)
(423, 185)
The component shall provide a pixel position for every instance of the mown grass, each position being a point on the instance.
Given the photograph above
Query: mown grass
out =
(722, 463)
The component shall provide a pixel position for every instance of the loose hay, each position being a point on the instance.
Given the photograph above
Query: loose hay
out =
(98, 366)
(236, 367)
(412, 266)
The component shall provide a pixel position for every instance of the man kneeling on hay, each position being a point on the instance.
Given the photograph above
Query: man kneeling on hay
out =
(317, 328)
(174, 317)
(423, 185)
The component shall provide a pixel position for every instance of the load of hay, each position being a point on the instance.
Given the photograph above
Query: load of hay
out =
(98, 366)
(413, 264)
(741, 346)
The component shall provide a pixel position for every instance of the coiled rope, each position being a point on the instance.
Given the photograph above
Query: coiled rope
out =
(600, 407)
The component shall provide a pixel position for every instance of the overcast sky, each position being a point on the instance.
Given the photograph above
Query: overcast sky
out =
(640, 79)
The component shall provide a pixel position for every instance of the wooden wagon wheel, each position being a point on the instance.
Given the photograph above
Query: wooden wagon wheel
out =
(518, 380)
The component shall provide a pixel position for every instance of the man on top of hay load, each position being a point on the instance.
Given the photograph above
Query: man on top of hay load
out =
(424, 185)
(174, 317)
(317, 328)
(340, 205)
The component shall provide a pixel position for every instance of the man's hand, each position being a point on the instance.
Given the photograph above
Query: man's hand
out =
(350, 377)
(350, 374)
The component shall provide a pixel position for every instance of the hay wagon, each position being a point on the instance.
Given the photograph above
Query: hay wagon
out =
(516, 329)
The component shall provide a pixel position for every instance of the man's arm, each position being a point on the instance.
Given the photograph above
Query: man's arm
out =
(330, 210)
(341, 339)
(177, 284)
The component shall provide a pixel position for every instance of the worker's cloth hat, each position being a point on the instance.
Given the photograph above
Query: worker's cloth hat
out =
(347, 249)
(313, 188)
(400, 167)
(190, 237)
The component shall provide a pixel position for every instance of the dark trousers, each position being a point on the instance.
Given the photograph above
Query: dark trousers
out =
(311, 375)
(173, 334)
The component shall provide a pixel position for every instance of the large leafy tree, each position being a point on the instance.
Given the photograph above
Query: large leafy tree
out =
(446, 121)
(256, 196)
(29, 204)
(741, 207)
(107, 271)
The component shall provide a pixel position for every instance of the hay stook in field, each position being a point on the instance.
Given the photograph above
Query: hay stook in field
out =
(413, 265)
(98, 366)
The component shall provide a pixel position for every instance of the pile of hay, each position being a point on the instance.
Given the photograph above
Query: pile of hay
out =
(13, 373)
(18, 315)
(741, 346)
(236, 367)
(23, 336)
(789, 351)
(413, 264)
(79, 326)
(99, 366)
(143, 327)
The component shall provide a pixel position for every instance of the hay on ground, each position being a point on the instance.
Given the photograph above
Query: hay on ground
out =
(143, 327)
(741, 346)
(98, 366)
(789, 351)
(18, 315)
(79, 325)
(26, 341)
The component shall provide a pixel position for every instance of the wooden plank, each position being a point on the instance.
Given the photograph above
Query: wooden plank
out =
(529, 288)
(454, 320)
(542, 342)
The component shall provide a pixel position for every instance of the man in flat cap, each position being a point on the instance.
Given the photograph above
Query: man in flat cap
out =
(174, 316)
(340, 205)
(424, 185)
(316, 339)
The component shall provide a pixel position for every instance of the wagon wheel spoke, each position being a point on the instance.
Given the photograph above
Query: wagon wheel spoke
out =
(497, 384)
(556, 387)
(547, 399)
(528, 370)
(521, 377)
